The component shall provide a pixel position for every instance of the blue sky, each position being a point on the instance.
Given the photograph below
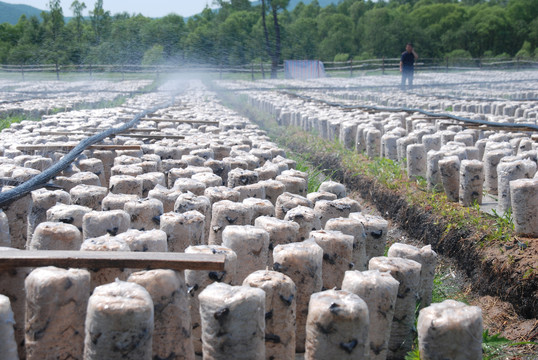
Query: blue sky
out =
(151, 8)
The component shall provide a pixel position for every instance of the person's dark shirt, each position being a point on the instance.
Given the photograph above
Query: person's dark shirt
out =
(408, 61)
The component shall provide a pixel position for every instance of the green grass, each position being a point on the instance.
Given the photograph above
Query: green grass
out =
(504, 222)
(13, 119)
(446, 286)
(117, 101)
(386, 171)
(413, 354)
(316, 175)
(494, 347)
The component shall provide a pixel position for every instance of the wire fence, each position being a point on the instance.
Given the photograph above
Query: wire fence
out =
(350, 68)
(432, 64)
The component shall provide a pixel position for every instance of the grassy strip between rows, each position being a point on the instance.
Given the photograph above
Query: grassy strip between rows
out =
(5, 122)
(494, 346)
(393, 176)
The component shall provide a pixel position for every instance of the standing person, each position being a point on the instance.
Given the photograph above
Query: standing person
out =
(407, 65)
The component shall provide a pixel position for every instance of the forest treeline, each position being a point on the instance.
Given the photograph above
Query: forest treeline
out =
(241, 33)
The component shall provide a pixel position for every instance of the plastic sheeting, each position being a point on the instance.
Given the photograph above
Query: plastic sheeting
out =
(304, 69)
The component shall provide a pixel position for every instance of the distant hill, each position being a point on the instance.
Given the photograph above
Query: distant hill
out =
(293, 3)
(322, 3)
(11, 13)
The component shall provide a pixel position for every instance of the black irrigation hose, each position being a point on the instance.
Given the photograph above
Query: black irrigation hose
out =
(41, 179)
(452, 97)
(524, 127)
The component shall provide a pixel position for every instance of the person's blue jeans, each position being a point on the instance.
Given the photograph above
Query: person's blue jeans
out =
(407, 75)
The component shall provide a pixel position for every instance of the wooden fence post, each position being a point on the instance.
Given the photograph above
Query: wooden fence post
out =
(351, 67)
(252, 70)
(446, 64)
(383, 66)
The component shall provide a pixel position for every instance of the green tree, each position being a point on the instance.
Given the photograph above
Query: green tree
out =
(199, 46)
(78, 42)
(54, 46)
(533, 34)
(302, 39)
(10, 34)
(526, 51)
(273, 46)
(100, 20)
(153, 56)
(241, 31)
(32, 32)
(24, 54)
(493, 31)
(336, 34)
(373, 30)
(169, 32)
(435, 20)
(78, 19)
(126, 37)
(310, 11)
(233, 36)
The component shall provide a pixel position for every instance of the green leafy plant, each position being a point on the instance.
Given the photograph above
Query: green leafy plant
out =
(496, 347)
(316, 175)
(386, 171)
(422, 183)
(504, 225)
(413, 355)
(7, 121)
(504, 220)
(528, 273)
